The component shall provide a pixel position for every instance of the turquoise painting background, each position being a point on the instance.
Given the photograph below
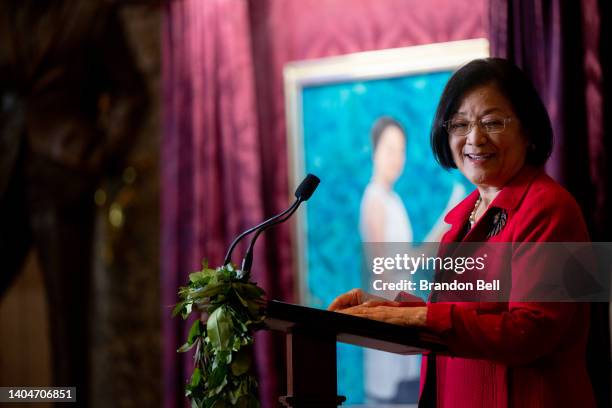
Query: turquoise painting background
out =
(337, 119)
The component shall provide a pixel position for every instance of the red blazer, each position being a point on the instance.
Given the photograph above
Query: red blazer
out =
(518, 354)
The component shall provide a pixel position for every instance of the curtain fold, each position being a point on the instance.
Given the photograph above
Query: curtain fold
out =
(557, 43)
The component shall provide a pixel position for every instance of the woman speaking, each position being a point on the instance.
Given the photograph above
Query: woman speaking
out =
(492, 126)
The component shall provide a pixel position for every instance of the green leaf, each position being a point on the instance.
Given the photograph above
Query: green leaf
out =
(247, 401)
(252, 402)
(219, 328)
(195, 331)
(237, 292)
(237, 343)
(178, 309)
(243, 327)
(219, 404)
(225, 274)
(213, 290)
(238, 395)
(186, 347)
(248, 290)
(241, 363)
(218, 389)
(196, 377)
(254, 308)
(222, 358)
(187, 310)
(201, 276)
(212, 307)
(217, 377)
(200, 292)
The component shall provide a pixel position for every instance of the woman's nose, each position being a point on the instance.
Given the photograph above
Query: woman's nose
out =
(476, 136)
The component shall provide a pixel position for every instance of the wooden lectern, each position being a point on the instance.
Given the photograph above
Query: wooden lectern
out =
(311, 348)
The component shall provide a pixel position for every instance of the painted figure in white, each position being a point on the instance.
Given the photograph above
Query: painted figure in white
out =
(391, 378)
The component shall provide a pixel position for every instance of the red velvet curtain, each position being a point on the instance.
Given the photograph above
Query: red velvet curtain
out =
(559, 44)
(223, 150)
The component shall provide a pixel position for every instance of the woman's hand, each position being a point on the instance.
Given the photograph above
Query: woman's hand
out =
(404, 316)
(356, 302)
(355, 297)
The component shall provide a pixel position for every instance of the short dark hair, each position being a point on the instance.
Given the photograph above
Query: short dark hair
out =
(515, 87)
(379, 127)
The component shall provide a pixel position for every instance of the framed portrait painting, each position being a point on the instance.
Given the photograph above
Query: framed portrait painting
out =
(361, 123)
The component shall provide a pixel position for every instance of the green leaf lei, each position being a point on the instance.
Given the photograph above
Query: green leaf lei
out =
(235, 307)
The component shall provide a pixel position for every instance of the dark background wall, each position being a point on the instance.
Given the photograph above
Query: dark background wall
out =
(125, 343)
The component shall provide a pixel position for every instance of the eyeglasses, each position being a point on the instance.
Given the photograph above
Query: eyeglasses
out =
(489, 125)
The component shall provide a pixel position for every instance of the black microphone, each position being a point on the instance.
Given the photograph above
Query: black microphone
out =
(307, 187)
(302, 193)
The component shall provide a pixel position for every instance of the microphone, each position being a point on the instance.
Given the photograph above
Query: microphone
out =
(302, 193)
(307, 187)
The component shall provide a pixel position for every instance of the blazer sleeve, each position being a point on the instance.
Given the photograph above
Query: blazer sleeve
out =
(517, 333)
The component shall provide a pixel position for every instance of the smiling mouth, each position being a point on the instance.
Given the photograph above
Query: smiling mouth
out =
(478, 157)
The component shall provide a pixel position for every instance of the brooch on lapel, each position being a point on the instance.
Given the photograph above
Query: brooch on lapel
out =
(498, 223)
